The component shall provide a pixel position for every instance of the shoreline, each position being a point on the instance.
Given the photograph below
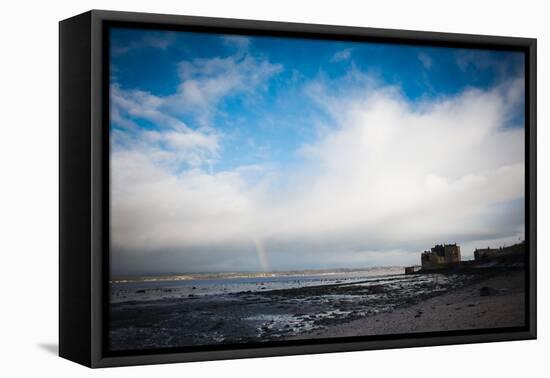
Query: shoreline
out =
(496, 302)
(383, 305)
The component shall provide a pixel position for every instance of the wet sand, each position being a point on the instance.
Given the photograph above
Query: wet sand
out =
(496, 302)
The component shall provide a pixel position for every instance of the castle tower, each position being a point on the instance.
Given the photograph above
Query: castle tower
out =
(452, 253)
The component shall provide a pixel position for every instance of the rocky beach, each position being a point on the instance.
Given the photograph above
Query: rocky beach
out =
(324, 306)
(495, 302)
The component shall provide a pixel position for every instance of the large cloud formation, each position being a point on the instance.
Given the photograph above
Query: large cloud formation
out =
(384, 179)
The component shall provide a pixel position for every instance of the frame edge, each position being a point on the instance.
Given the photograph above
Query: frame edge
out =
(96, 103)
(74, 191)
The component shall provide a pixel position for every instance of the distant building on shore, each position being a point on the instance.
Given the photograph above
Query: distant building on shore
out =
(413, 269)
(484, 254)
(440, 255)
(447, 257)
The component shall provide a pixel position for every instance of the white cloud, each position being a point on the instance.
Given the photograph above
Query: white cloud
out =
(242, 43)
(341, 55)
(385, 179)
(426, 60)
(205, 81)
(170, 144)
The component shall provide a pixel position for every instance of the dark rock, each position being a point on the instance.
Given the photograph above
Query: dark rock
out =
(486, 291)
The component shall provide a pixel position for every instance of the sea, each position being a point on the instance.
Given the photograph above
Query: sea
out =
(153, 287)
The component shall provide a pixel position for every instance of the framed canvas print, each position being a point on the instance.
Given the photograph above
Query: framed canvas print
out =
(234, 188)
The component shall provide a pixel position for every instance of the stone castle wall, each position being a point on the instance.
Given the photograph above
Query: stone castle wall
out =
(440, 255)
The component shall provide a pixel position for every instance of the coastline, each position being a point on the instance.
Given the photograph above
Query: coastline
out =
(495, 302)
(332, 308)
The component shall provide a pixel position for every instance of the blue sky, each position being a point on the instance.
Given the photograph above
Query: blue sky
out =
(279, 116)
(254, 115)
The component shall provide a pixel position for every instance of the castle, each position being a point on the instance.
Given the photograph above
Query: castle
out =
(440, 255)
(447, 257)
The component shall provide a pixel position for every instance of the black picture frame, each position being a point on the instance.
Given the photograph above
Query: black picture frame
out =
(84, 186)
